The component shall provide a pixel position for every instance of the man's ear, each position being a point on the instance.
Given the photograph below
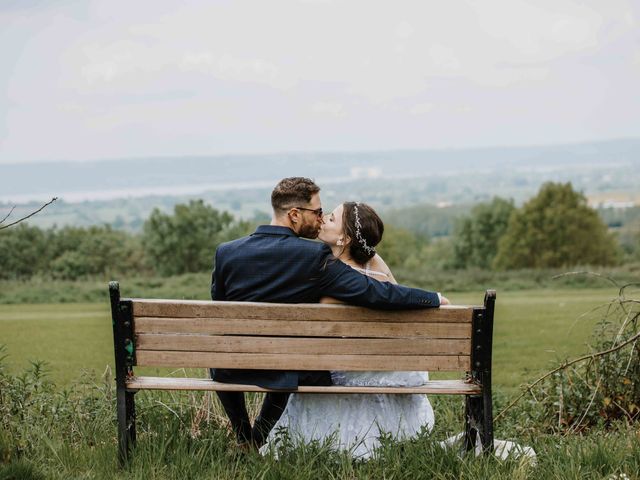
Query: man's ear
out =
(293, 216)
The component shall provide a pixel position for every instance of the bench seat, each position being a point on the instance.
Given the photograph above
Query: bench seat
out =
(449, 387)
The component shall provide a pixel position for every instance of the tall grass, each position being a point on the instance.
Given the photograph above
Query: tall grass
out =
(53, 433)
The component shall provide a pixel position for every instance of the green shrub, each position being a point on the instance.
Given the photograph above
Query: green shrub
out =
(604, 387)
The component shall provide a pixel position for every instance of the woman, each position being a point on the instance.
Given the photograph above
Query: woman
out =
(355, 422)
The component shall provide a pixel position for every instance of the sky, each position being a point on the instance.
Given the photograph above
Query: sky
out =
(101, 79)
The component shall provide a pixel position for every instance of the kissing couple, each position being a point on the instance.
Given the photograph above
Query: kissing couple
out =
(278, 264)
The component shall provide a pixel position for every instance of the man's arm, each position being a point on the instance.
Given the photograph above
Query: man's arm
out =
(378, 263)
(217, 286)
(343, 283)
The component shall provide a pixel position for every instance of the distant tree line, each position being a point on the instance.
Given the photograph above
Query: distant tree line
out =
(554, 229)
(170, 244)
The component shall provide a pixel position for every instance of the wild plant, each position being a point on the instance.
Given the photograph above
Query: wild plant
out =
(600, 387)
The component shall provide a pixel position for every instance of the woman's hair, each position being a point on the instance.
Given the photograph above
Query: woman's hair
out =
(364, 227)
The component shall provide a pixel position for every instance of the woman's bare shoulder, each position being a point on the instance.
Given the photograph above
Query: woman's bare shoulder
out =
(379, 265)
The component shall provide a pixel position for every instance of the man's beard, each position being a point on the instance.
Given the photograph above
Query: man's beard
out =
(309, 231)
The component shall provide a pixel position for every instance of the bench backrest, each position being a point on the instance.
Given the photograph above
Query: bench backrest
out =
(182, 333)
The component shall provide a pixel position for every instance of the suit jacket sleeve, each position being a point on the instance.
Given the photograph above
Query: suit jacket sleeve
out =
(342, 282)
(217, 284)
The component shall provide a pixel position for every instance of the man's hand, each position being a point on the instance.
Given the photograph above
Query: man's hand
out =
(444, 300)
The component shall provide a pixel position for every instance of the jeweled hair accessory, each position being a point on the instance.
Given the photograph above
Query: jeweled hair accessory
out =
(359, 237)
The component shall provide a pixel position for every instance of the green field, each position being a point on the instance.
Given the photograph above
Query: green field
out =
(68, 430)
(532, 328)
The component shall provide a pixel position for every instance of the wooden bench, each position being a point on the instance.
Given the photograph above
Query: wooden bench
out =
(183, 333)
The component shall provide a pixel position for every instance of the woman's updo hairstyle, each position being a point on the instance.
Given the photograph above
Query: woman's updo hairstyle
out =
(364, 227)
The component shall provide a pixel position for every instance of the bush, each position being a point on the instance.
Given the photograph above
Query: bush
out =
(95, 251)
(68, 253)
(24, 251)
(601, 388)
(185, 242)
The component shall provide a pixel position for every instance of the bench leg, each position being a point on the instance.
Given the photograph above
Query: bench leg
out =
(126, 410)
(479, 421)
(472, 422)
(487, 417)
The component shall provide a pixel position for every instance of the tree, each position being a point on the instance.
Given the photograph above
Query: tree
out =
(475, 239)
(556, 228)
(68, 253)
(94, 251)
(399, 246)
(185, 241)
(629, 237)
(24, 251)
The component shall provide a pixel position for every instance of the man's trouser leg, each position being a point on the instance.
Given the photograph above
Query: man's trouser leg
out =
(236, 409)
(272, 408)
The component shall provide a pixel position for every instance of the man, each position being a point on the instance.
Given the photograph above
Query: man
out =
(275, 265)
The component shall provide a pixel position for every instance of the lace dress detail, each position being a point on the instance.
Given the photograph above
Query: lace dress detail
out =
(367, 271)
(355, 422)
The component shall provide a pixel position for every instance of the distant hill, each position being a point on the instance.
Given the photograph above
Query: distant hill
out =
(122, 192)
(184, 175)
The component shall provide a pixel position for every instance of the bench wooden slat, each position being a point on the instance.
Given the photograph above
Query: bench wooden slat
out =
(215, 326)
(168, 383)
(451, 363)
(368, 346)
(303, 311)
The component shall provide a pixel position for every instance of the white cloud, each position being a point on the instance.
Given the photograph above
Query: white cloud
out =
(333, 109)
(539, 31)
(581, 32)
(244, 70)
(443, 59)
(421, 108)
(227, 66)
(99, 70)
(404, 30)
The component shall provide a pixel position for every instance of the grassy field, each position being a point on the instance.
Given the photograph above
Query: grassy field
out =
(67, 429)
(532, 328)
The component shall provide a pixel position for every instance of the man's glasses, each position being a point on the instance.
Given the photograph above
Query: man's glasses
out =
(317, 211)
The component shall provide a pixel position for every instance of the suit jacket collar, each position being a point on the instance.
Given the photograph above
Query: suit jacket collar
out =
(274, 230)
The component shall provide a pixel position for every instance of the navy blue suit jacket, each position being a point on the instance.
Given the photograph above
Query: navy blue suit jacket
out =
(275, 265)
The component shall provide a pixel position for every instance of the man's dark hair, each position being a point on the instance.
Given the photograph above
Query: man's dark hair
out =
(293, 192)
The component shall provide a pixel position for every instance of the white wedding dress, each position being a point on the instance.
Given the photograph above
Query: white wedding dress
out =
(355, 422)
